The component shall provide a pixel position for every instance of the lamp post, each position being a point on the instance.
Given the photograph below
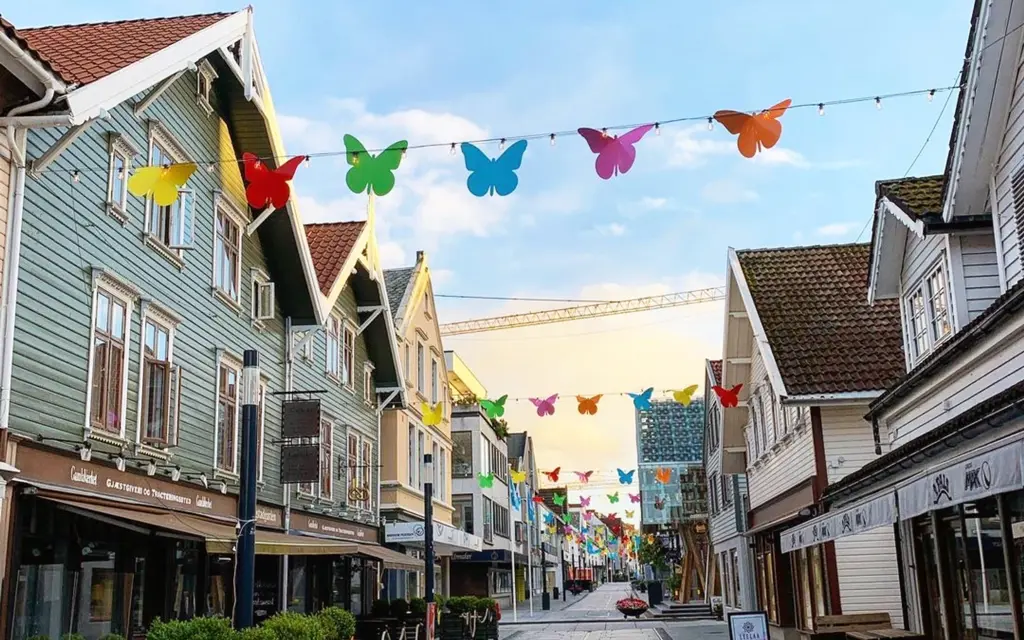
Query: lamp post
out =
(428, 527)
(245, 550)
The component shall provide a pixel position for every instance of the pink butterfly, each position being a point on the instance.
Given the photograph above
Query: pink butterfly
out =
(584, 476)
(584, 502)
(545, 407)
(634, 497)
(587, 515)
(615, 154)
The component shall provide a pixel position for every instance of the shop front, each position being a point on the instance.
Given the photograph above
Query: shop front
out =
(408, 537)
(486, 573)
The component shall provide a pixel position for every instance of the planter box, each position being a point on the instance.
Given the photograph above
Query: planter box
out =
(451, 627)
(487, 631)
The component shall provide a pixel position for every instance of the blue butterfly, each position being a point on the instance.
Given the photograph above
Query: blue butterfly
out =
(549, 518)
(642, 401)
(626, 478)
(488, 176)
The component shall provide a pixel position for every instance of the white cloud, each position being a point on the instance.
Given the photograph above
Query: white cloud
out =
(727, 192)
(644, 204)
(836, 229)
(440, 277)
(692, 146)
(611, 229)
(782, 156)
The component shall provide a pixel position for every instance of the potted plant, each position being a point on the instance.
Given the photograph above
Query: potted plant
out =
(452, 625)
(487, 617)
(716, 609)
(634, 607)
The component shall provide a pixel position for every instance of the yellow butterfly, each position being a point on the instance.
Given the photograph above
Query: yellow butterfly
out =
(629, 514)
(685, 396)
(518, 476)
(432, 415)
(160, 182)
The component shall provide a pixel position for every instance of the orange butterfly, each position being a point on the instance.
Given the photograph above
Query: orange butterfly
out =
(663, 475)
(588, 406)
(553, 474)
(756, 132)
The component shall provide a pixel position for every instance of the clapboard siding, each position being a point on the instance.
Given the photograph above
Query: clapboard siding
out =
(868, 577)
(5, 191)
(781, 468)
(67, 231)
(1010, 160)
(980, 271)
(848, 439)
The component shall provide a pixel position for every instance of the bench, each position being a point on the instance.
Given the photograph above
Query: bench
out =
(838, 627)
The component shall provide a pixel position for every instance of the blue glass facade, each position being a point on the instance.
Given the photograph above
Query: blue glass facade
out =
(669, 436)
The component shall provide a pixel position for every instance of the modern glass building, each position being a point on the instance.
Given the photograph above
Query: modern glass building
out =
(670, 437)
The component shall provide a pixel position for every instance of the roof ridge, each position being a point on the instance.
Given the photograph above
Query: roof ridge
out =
(838, 245)
(120, 22)
(325, 224)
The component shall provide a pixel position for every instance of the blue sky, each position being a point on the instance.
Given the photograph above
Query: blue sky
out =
(444, 71)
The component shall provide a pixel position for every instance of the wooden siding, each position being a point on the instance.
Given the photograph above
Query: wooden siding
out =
(868, 578)
(1011, 157)
(723, 523)
(848, 437)
(785, 463)
(5, 191)
(975, 255)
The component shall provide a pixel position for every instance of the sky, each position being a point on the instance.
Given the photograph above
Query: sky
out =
(460, 70)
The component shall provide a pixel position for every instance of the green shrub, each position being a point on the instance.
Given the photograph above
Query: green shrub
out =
(418, 607)
(213, 628)
(399, 608)
(338, 623)
(109, 636)
(380, 609)
(40, 636)
(78, 636)
(461, 604)
(289, 625)
(257, 633)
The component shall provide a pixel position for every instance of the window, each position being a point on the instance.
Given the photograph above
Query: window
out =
(227, 416)
(348, 363)
(500, 519)
(365, 473)
(408, 365)
(413, 462)
(170, 227)
(927, 313)
(368, 388)
(354, 464)
(326, 459)
(938, 306)
(918, 323)
(205, 75)
(463, 516)
(764, 422)
(755, 428)
(262, 303)
(434, 382)
(160, 396)
(443, 486)
(421, 449)
(420, 367)
(122, 152)
(227, 254)
(462, 454)
(107, 378)
(435, 452)
(333, 339)
(727, 492)
(261, 411)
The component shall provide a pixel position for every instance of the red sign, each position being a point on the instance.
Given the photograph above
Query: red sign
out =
(431, 619)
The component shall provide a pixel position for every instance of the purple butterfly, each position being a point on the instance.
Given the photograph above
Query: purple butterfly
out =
(584, 502)
(615, 154)
(634, 497)
(545, 407)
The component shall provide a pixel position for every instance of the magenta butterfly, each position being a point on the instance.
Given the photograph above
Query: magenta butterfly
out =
(634, 497)
(615, 154)
(584, 502)
(584, 476)
(545, 407)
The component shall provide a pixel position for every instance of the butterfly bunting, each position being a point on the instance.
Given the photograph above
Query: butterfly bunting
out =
(659, 503)
(368, 172)
(553, 474)
(588, 406)
(613, 497)
(626, 477)
(486, 480)
(615, 154)
(756, 132)
(162, 183)
(432, 415)
(728, 397)
(545, 407)
(558, 499)
(517, 476)
(493, 176)
(642, 400)
(584, 501)
(685, 396)
(629, 514)
(634, 498)
(663, 475)
(494, 408)
(538, 499)
(584, 476)
(268, 187)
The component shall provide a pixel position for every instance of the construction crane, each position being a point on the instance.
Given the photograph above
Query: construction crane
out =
(584, 312)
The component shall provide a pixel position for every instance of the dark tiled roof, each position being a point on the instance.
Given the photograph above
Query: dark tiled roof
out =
(516, 444)
(825, 336)
(84, 53)
(716, 370)
(397, 281)
(330, 245)
(918, 197)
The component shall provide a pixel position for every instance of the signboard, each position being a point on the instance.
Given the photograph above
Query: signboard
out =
(333, 528)
(748, 625)
(269, 516)
(300, 463)
(431, 619)
(300, 419)
(845, 521)
(412, 532)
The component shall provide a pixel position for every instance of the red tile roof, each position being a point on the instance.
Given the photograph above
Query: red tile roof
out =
(330, 245)
(918, 197)
(716, 370)
(84, 53)
(826, 338)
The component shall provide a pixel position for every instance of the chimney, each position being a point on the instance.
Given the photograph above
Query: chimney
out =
(420, 257)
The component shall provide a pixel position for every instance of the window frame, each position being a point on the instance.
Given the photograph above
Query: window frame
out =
(223, 206)
(126, 294)
(921, 341)
(233, 363)
(261, 288)
(348, 354)
(205, 71)
(326, 451)
(170, 148)
(119, 146)
(413, 466)
(369, 388)
(162, 318)
(332, 333)
(261, 418)
(421, 368)
(434, 381)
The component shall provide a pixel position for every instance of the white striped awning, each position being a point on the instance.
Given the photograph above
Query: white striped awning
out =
(846, 521)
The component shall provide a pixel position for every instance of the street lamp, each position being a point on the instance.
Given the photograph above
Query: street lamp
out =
(428, 526)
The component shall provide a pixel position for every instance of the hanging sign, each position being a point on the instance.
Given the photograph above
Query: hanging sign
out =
(300, 463)
(300, 419)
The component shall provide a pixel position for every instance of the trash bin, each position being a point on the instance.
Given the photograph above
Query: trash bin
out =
(545, 601)
(655, 594)
(556, 592)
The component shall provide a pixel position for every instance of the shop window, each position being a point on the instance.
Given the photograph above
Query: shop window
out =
(226, 456)
(982, 579)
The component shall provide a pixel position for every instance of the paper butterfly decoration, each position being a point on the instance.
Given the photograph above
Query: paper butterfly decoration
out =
(584, 476)
(518, 476)
(615, 154)
(634, 497)
(545, 407)
(160, 182)
(663, 475)
(549, 518)
(588, 406)
(613, 515)
(613, 497)
(494, 408)
(268, 186)
(432, 415)
(368, 172)
(553, 474)
(498, 175)
(538, 498)
(685, 396)
(659, 503)
(756, 132)
(626, 478)
(728, 397)
(558, 499)
(584, 501)
(486, 480)
(588, 515)
(642, 400)
(629, 514)
(551, 529)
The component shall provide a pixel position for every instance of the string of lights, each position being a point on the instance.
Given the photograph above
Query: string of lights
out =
(552, 136)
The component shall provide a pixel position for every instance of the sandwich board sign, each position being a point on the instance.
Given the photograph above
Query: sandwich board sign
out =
(748, 625)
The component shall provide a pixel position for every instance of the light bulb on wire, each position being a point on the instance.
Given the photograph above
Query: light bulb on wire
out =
(552, 139)
(878, 103)
(821, 108)
(75, 176)
(451, 151)
(931, 94)
(711, 124)
(501, 145)
(657, 129)
(306, 162)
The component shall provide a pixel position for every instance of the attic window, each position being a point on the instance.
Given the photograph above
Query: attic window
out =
(205, 75)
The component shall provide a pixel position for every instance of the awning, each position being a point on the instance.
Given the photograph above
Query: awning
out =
(840, 523)
(273, 543)
(391, 559)
(447, 539)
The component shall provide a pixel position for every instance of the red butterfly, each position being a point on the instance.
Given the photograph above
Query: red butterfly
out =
(538, 499)
(553, 474)
(268, 186)
(728, 397)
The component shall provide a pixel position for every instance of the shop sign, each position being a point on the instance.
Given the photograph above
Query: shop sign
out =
(411, 532)
(333, 528)
(748, 625)
(300, 419)
(62, 471)
(984, 475)
(267, 516)
(300, 463)
(840, 523)
(494, 555)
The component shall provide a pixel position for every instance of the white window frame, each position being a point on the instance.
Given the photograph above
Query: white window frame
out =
(205, 71)
(261, 288)
(408, 365)
(119, 147)
(167, 319)
(160, 136)
(261, 415)
(334, 321)
(421, 368)
(325, 420)
(235, 363)
(224, 205)
(413, 465)
(369, 389)
(922, 341)
(127, 294)
(435, 379)
(348, 356)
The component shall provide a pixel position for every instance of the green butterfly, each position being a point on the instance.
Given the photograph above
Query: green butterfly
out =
(494, 408)
(558, 499)
(486, 480)
(369, 171)
(613, 497)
